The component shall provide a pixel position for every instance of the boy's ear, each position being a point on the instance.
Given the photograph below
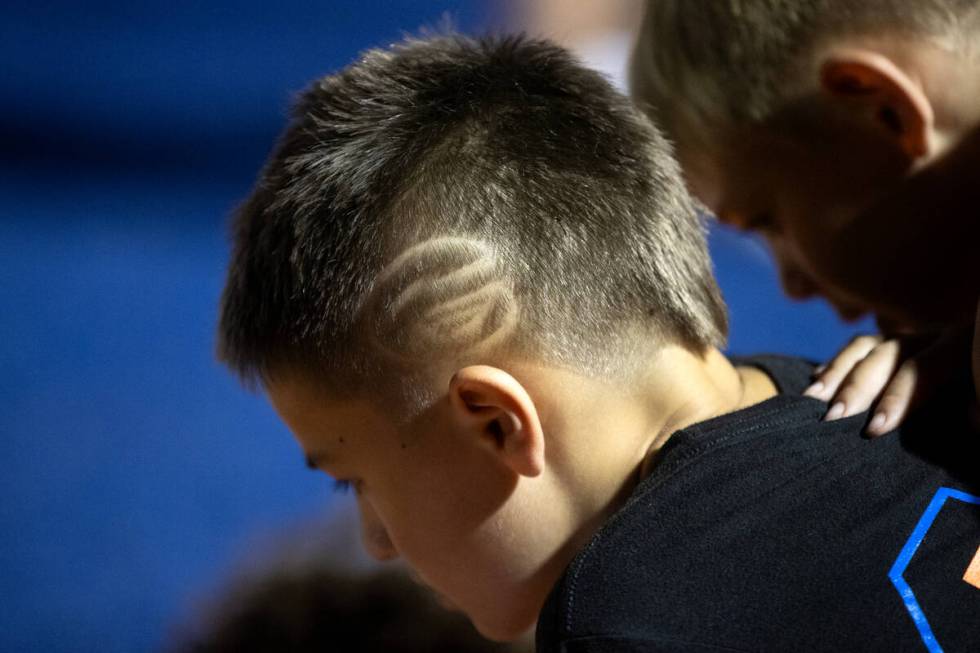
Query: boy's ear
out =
(885, 94)
(495, 407)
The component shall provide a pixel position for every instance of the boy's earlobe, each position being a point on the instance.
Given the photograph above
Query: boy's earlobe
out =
(494, 406)
(872, 84)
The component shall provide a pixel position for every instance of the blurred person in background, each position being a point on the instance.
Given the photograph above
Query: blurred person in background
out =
(316, 590)
(324, 610)
(599, 32)
(318, 609)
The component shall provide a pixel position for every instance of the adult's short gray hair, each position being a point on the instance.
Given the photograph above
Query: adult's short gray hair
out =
(735, 60)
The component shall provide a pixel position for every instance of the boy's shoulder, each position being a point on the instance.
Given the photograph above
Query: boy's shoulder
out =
(765, 528)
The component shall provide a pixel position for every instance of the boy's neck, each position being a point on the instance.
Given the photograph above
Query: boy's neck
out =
(705, 387)
(601, 439)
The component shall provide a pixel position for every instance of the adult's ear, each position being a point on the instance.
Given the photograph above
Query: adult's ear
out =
(883, 94)
(494, 406)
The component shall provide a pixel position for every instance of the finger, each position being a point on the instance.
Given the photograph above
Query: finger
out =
(837, 369)
(916, 380)
(866, 381)
(897, 400)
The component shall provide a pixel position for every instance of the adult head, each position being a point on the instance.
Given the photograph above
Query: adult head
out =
(798, 118)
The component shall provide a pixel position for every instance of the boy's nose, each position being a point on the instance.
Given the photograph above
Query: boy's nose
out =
(378, 545)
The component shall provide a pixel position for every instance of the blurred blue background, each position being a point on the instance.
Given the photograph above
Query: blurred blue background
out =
(136, 470)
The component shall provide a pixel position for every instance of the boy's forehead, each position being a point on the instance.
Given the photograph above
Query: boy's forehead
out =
(296, 401)
(322, 423)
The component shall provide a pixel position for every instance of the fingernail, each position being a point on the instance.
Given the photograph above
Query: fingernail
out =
(818, 370)
(814, 390)
(877, 425)
(837, 410)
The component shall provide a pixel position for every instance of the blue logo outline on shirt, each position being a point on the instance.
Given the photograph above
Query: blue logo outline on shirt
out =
(905, 556)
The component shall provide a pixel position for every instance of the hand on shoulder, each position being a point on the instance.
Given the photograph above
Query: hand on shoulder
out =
(890, 376)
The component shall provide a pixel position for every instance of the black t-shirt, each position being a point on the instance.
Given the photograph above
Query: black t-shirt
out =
(769, 529)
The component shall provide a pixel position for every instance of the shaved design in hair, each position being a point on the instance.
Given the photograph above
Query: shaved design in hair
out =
(454, 199)
(443, 294)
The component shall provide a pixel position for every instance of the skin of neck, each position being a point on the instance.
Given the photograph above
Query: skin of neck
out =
(601, 438)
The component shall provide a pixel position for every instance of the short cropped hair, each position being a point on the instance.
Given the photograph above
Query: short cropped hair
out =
(451, 197)
(734, 61)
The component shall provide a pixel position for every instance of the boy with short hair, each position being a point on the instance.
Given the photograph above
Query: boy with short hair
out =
(847, 132)
(474, 287)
